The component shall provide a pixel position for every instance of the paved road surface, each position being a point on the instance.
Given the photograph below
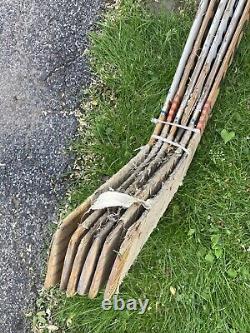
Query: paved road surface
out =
(41, 73)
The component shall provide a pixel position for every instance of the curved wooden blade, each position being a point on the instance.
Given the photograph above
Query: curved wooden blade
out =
(106, 260)
(92, 258)
(74, 242)
(81, 254)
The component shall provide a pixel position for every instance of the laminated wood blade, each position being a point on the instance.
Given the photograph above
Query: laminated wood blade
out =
(74, 242)
(65, 230)
(92, 258)
(106, 260)
(60, 242)
(80, 254)
(80, 257)
(114, 238)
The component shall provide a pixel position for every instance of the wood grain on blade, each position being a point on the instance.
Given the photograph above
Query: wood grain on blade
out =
(63, 234)
(60, 242)
(106, 260)
(81, 254)
(74, 242)
(92, 258)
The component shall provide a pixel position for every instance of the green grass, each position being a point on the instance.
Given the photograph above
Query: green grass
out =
(201, 246)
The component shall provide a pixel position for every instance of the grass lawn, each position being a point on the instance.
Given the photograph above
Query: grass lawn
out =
(195, 267)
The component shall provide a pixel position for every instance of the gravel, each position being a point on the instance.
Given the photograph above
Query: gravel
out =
(42, 72)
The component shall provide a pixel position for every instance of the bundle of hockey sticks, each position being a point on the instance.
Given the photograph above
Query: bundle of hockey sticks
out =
(97, 243)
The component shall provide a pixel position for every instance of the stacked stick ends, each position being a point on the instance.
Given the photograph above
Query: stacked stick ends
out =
(95, 246)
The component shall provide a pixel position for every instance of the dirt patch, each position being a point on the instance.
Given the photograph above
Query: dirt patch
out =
(158, 6)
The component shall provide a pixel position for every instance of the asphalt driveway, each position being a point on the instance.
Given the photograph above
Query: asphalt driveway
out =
(42, 71)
